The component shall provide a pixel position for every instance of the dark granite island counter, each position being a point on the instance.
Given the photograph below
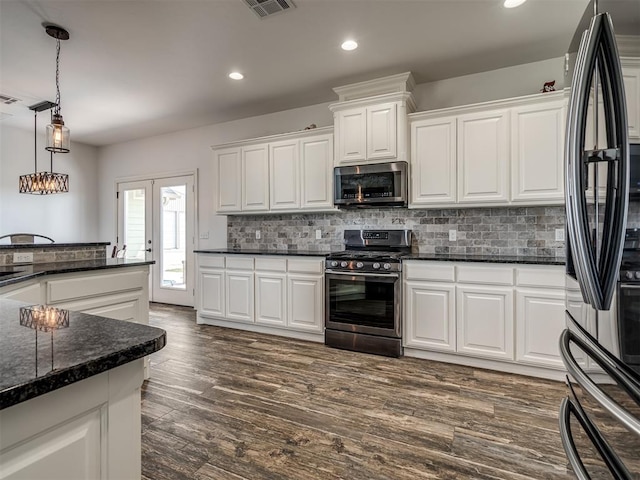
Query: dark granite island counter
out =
(70, 404)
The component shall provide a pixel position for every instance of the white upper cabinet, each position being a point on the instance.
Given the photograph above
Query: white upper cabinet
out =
(497, 153)
(283, 170)
(433, 161)
(316, 172)
(370, 120)
(537, 144)
(631, 77)
(483, 157)
(229, 173)
(255, 178)
(282, 173)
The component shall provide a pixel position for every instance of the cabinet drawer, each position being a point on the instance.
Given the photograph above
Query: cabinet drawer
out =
(492, 275)
(239, 263)
(271, 264)
(86, 286)
(301, 265)
(216, 261)
(545, 277)
(424, 270)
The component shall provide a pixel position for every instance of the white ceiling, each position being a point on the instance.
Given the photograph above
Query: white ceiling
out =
(133, 69)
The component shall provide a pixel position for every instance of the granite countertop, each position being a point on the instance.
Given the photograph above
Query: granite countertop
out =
(20, 273)
(52, 245)
(88, 346)
(450, 257)
(268, 251)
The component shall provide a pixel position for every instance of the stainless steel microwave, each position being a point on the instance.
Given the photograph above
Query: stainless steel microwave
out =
(373, 185)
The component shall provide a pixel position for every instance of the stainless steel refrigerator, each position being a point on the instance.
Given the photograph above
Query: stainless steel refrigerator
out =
(600, 418)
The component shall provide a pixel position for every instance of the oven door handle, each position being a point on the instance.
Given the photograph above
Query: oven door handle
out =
(628, 286)
(362, 274)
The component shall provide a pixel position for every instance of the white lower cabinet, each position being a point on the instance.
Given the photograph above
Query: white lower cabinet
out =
(502, 317)
(539, 321)
(269, 294)
(430, 311)
(485, 321)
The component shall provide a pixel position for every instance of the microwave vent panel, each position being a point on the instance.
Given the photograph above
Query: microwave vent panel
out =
(265, 8)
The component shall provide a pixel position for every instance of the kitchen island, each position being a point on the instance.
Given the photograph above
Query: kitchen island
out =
(70, 397)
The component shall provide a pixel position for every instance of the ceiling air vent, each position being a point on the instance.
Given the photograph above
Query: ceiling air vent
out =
(265, 8)
(8, 99)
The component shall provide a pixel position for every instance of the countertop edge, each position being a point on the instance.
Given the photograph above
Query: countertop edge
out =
(276, 252)
(59, 379)
(12, 246)
(493, 260)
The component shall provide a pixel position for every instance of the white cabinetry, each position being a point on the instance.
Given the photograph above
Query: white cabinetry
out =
(433, 161)
(483, 157)
(498, 153)
(631, 78)
(502, 317)
(370, 120)
(269, 294)
(255, 178)
(537, 142)
(281, 173)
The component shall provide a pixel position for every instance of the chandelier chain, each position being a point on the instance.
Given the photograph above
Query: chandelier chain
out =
(57, 107)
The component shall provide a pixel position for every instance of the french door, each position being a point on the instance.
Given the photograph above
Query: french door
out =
(156, 222)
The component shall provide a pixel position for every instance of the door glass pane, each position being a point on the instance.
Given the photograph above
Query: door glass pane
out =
(362, 302)
(134, 223)
(174, 239)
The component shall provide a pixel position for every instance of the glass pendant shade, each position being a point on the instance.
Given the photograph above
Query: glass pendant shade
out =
(58, 137)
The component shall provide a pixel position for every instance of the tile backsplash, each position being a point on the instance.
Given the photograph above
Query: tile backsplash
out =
(528, 231)
(45, 254)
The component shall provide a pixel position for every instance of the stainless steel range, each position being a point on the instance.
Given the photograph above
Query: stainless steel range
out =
(364, 292)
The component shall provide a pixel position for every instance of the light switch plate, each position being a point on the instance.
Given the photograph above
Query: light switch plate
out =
(559, 234)
(204, 235)
(453, 235)
(258, 235)
(24, 257)
(318, 234)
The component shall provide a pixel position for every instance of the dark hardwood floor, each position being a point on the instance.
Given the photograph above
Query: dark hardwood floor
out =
(227, 404)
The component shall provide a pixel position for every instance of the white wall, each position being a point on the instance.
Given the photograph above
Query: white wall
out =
(190, 150)
(67, 217)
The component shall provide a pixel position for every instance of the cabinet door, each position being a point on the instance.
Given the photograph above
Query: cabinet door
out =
(255, 178)
(483, 157)
(631, 77)
(540, 319)
(283, 169)
(316, 171)
(211, 292)
(351, 135)
(430, 316)
(306, 302)
(433, 161)
(239, 296)
(485, 321)
(271, 299)
(537, 145)
(229, 183)
(382, 135)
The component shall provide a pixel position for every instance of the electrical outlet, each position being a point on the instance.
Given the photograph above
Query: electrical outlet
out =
(204, 235)
(258, 235)
(453, 235)
(559, 234)
(318, 234)
(23, 257)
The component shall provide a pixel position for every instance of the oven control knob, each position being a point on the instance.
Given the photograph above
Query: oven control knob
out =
(334, 263)
(359, 265)
(637, 275)
(628, 275)
(387, 266)
(376, 265)
(344, 264)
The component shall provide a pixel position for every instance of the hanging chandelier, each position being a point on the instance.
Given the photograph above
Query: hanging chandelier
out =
(58, 137)
(42, 183)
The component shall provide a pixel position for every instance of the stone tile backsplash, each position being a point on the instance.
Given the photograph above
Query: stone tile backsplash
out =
(55, 254)
(527, 231)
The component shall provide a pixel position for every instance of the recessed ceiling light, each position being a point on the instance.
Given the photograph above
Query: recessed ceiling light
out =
(513, 3)
(236, 75)
(350, 45)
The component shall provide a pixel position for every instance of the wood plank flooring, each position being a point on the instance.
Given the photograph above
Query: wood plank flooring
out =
(227, 404)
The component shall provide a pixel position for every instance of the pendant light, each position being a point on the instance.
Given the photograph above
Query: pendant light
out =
(42, 183)
(58, 138)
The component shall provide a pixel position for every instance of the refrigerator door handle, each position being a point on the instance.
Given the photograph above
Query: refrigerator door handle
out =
(596, 270)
